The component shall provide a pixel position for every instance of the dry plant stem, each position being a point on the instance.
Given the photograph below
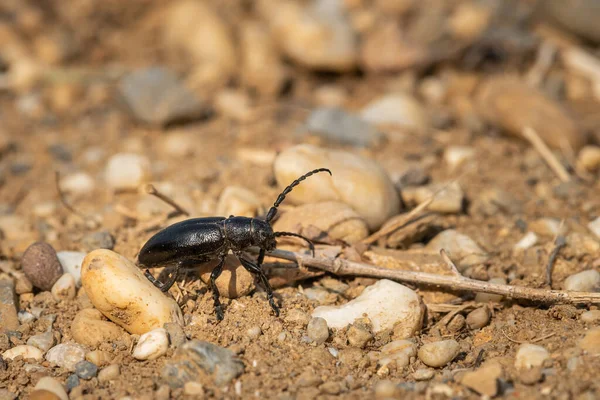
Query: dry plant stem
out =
(63, 199)
(541, 147)
(340, 266)
(150, 189)
(544, 59)
(559, 243)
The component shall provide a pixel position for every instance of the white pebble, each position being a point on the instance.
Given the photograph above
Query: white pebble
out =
(438, 354)
(529, 240)
(77, 183)
(456, 156)
(66, 355)
(64, 288)
(589, 158)
(585, 281)
(127, 171)
(24, 351)
(397, 109)
(461, 248)
(386, 303)
(53, 386)
(399, 351)
(71, 262)
(119, 290)
(530, 356)
(357, 181)
(152, 345)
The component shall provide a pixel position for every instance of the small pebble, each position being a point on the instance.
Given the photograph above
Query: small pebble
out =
(127, 171)
(438, 354)
(590, 317)
(43, 341)
(339, 126)
(594, 227)
(176, 334)
(456, 323)
(239, 201)
(254, 332)
(399, 351)
(22, 284)
(77, 183)
(358, 335)
(98, 240)
(66, 355)
(109, 373)
(529, 240)
(530, 376)
(530, 355)
(25, 317)
(71, 263)
(99, 357)
(488, 297)
(461, 248)
(64, 288)
(91, 329)
(589, 158)
(397, 109)
(317, 330)
(479, 318)
(72, 382)
(8, 306)
(591, 342)
(456, 156)
(193, 389)
(86, 370)
(423, 374)
(53, 386)
(41, 265)
(385, 389)
(585, 281)
(297, 316)
(448, 198)
(152, 345)
(25, 351)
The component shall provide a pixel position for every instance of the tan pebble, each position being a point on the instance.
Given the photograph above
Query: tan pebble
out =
(120, 291)
(530, 355)
(53, 386)
(109, 373)
(89, 328)
(22, 284)
(193, 389)
(514, 105)
(530, 376)
(590, 317)
(127, 171)
(359, 182)
(358, 335)
(385, 389)
(438, 354)
(297, 316)
(337, 219)
(468, 21)
(64, 288)
(235, 281)
(239, 201)
(24, 351)
(43, 394)
(99, 357)
(456, 323)
(483, 380)
(591, 342)
(479, 318)
(233, 104)
(589, 158)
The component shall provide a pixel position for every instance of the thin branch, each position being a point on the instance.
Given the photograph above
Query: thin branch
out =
(150, 189)
(541, 147)
(559, 243)
(450, 263)
(63, 199)
(340, 266)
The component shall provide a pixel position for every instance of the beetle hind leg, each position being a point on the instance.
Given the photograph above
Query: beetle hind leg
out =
(256, 270)
(215, 291)
(164, 286)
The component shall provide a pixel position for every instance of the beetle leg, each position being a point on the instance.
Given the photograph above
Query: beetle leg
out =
(215, 291)
(255, 269)
(261, 257)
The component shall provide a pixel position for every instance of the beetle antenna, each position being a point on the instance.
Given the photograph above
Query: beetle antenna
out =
(273, 211)
(310, 243)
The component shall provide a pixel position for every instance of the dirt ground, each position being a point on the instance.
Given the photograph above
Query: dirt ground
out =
(69, 115)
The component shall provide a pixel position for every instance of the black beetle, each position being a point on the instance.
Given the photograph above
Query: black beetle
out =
(198, 240)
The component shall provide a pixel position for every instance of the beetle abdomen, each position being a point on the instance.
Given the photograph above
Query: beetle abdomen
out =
(190, 239)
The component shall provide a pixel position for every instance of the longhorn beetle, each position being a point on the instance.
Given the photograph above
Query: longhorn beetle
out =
(199, 240)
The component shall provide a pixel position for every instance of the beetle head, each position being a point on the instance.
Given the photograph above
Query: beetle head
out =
(262, 235)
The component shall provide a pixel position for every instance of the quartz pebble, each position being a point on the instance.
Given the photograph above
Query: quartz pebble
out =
(591, 342)
(64, 288)
(317, 330)
(462, 249)
(71, 263)
(194, 356)
(99, 357)
(388, 305)
(359, 182)
(41, 265)
(127, 171)
(25, 351)
(337, 219)
(456, 156)
(52, 386)
(86, 370)
(339, 126)
(317, 35)
(152, 345)
(66, 355)
(529, 240)
(235, 280)
(239, 201)
(423, 374)
(438, 354)
(109, 373)
(479, 318)
(114, 285)
(9, 319)
(358, 335)
(90, 329)
(585, 281)
(530, 355)
(43, 341)
(399, 351)
(155, 95)
(397, 109)
(25, 317)
(447, 198)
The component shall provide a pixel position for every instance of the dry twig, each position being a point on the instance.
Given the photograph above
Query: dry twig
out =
(339, 266)
(559, 243)
(541, 147)
(150, 189)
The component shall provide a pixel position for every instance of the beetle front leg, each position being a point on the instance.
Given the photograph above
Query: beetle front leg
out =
(164, 286)
(215, 291)
(255, 269)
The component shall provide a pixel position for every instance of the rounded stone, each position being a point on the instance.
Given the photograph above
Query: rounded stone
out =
(438, 354)
(86, 370)
(317, 330)
(530, 355)
(479, 318)
(41, 266)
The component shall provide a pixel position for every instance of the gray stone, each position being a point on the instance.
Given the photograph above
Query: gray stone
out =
(317, 330)
(156, 96)
(98, 240)
(176, 334)
(195, 357)
(338, 125)
(72, 382)
(43, 341)
(41, 265)
(86, 370)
